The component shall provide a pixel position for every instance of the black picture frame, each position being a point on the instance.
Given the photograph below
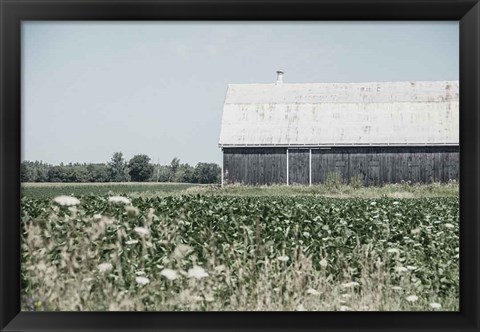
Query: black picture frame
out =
(13, 12)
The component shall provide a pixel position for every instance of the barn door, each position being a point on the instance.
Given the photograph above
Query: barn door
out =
(299, 166)
(327, 162)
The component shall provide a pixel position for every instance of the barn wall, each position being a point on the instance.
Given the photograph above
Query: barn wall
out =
(324, 162)
(380, 165)
(375, 165)
(254, 165)
(298, 166)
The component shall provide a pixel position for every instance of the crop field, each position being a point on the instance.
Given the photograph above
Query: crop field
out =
(51, 190)
(153, 189)
(224, 249)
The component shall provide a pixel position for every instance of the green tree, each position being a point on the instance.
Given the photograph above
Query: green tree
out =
(140, 169)
(174, 166)
(162, 173)
(207, 173)
(27, 172)
(98, 173)
(58, 174)
(184, 173)
(41, 171)
(79, 173)
(34, 171)
(118, 169)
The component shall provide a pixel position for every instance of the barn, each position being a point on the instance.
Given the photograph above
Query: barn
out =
(379, 132)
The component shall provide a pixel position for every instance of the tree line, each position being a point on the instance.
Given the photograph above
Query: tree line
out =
(137, 169)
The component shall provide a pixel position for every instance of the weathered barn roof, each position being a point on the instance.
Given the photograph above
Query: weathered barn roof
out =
(336, 114)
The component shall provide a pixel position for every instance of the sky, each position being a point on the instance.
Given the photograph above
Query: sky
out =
(90, 89)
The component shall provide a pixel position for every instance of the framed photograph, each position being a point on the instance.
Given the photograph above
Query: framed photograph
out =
(239, 165)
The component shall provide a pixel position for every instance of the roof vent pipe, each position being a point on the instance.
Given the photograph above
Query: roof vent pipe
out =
(279, 77)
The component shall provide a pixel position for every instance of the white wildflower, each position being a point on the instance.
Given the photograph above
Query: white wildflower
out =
(66, 200)
(350, 284)
(300, 307)
(396, 203)
(181, 251)
(450, 226)
(435, 305)
(197, 272)
(209, 298)
(220, 268)
(119, 200)
(323, 263)
(196, 298)
(312, 291)
(169, 274)
(104, 267)
(411, 267)
(401, 269)
(41, 266)
(415, 231)
(142, 280)
(283, 258)
(132, 210)
(142, 231)
(373, 203)
(131, 242)
(412, 298)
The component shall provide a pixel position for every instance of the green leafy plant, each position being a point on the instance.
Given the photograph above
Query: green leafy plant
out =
(220, 252)
(333, 180)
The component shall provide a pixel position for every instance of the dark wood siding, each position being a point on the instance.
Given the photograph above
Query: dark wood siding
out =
(255, 165)
(324, 163)
(298, 166)
(374, 165)
(380, 165)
